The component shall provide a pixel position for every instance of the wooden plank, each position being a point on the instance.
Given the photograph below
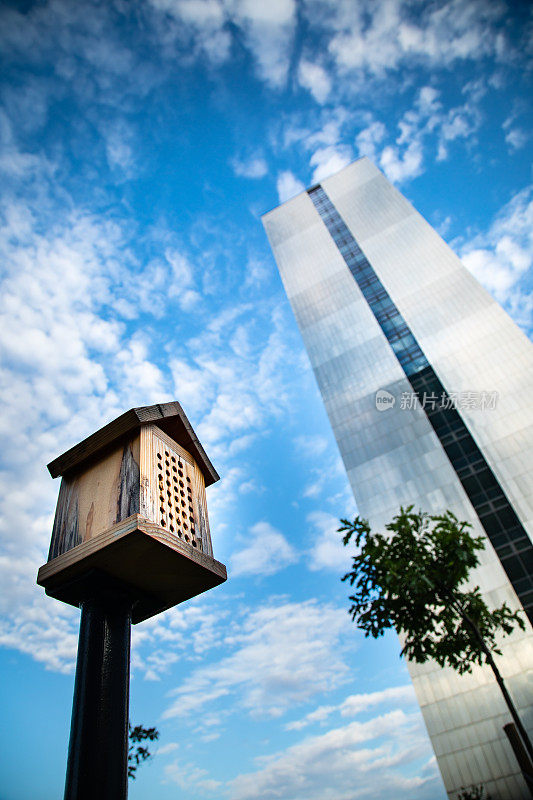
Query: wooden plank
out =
(91, 502)
(163, 570)
(84, 549)
(169, 416)
(93, 443)
(135, 522)
(66, 530)
(129, 483)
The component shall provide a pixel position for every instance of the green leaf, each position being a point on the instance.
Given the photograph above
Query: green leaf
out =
(412, 578)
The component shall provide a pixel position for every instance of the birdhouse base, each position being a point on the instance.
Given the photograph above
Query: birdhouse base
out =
(158, 569)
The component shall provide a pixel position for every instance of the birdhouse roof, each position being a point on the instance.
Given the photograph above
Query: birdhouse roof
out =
(170, 417)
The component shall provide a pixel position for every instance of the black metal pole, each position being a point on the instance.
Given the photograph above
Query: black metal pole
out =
(98, 750)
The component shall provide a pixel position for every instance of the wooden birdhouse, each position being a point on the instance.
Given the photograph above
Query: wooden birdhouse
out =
(132, 509)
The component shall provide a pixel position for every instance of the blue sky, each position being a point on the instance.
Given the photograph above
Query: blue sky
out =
(141, 142)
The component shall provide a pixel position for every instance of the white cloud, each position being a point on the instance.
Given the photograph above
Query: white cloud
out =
(235, 374)
(180, 284)
(165, 749)
(188, 776)
(378, 37)
(183, 632)
(253, 167)
(251, 486)
(15, 162)
(222, 498)
(82, 49)
(428, 100)
(266, 29)
(329, 132)
(269, 29)
(346, 760)
(316, 487)
(329, 152)
(70, 364)
(356, 704)
(288, 186)
(265, 551)
(502, 256)
(194, 386)
(313, 76)
(328, 551)
(516, 138)
(283, 654)
(458, 123)
(198, 26)
(139, 377)
(206, 13)
(310, 446)
(243, 404)
(400, 166)
(118, 138)
(422, 126)
(119, 152)
(257, 271)
(158, 663)
(369, 138)
(35, 624)
(329, 160)
(328, 482)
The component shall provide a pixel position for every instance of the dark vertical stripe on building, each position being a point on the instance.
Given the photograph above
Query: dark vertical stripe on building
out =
(495, 512)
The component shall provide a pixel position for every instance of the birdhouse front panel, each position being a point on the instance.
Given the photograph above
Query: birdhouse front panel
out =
(173, 489)
(95, 498)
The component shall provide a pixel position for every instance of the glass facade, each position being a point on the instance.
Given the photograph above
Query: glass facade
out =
(496, 514)
(415, 324)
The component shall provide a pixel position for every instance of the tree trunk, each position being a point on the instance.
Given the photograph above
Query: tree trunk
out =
(506, 696)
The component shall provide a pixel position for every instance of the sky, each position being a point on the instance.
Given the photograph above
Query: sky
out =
(140, 144)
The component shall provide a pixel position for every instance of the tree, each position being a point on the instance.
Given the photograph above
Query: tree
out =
(412, 579)
(137, 753)
(473, 793)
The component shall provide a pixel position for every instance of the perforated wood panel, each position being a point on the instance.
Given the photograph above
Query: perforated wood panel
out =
(175, 491)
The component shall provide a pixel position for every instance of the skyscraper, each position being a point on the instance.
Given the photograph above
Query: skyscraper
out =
(428, 386)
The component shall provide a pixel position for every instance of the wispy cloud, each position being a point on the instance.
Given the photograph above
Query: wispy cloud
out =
(252, 167)
(263, 551)
(328, 160)
(327, 551)
(315, 78)
(288, 186)
(356, 704)
(380, 37)
(503, 255)
(283, 654)
(332, 764)
(189, 776)
(266, 30)
(269, 29)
